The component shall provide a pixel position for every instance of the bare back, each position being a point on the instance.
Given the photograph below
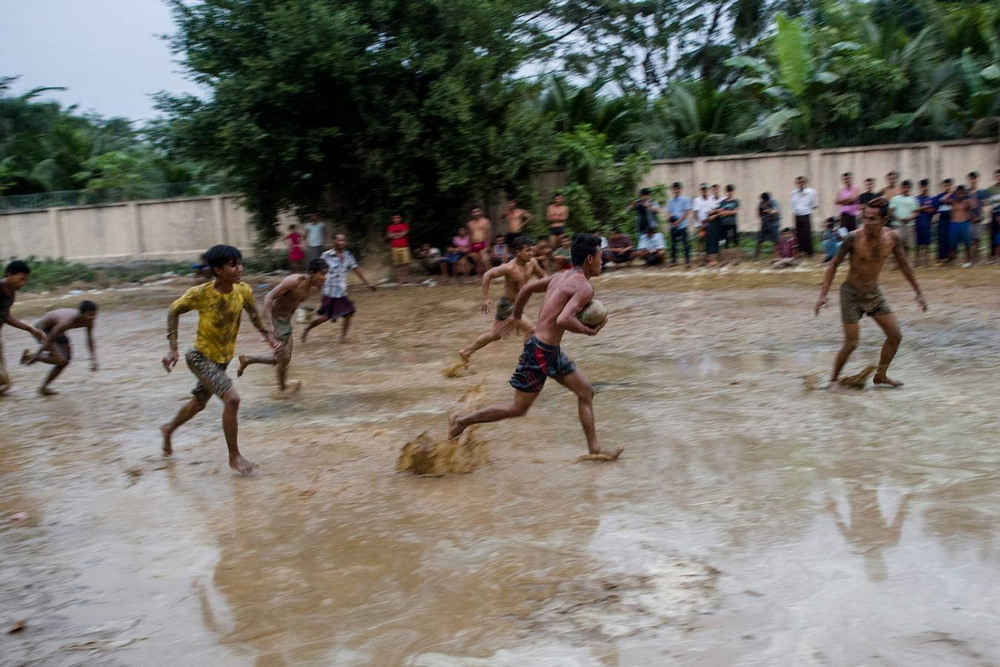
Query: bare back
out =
(867, 256)
(288, 294)
(61, 318)
(566, 289)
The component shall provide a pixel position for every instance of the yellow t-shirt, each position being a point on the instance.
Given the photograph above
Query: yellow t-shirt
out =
(218, 317)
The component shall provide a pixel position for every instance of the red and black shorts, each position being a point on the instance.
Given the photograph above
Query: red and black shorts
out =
(539, 361)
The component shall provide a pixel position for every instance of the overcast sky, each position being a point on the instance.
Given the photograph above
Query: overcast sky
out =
(108, 54)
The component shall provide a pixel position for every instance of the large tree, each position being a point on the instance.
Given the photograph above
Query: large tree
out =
(360, 107)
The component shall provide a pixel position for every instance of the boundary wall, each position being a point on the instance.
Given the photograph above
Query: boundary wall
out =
(180, 229)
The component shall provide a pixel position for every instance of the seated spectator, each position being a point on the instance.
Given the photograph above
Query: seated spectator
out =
(652, 247)
(456, 260)
(832, 238)
(499, 252)
(787, 250)
(620, 249)
(600, 234)
(561, 256)
(429, 258)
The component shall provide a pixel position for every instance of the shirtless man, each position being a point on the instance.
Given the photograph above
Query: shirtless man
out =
(566, 293)
(516, 218)
(516, 273)
(869, 247)
(480, 230)
(15, 276)
(556, 215)
(279, 306)
(55, 348)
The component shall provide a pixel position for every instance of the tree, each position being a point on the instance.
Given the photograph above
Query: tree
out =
(360, 108)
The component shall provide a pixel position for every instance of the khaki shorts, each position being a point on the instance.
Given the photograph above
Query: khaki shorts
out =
(854, 303)
(400, 256)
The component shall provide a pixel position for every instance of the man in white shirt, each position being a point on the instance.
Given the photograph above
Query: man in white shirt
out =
(703, 204)
(315, 237)
(652, 247)
(804, 201)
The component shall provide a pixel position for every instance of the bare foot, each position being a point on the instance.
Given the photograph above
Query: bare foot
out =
(454, 428)
(883, 379)
(602, 455)
(294, 387)
(168, 448)
(45, 391)
(241, 465)
(244, 362)
(26, 357)
(465, 356)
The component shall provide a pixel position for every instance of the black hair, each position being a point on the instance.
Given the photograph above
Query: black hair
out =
(881, 204)
(925, 182)
(788, 230)
(644, 191)
(521, 242)
(88, 307)
(765, 196)
(908, 182)
(317, 266)
(730, 188)
(17, 266)
(846, 174)
(973, 174)
(676, 184)
(584, 245)
(830, 222)
(947, 180)
(219, 256)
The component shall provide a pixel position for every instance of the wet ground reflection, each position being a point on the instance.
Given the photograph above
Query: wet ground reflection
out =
(751, 521)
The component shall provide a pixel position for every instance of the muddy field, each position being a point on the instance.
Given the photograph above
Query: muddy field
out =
(750, 520)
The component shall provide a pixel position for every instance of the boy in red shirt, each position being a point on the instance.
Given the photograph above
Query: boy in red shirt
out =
(399, 244)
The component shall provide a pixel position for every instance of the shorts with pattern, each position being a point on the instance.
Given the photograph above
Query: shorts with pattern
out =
(505, 308)
(854, 303)
(212, 378)
(539, 361)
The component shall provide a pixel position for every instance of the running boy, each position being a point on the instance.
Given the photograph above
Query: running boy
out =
(219, 304)
(55, 349)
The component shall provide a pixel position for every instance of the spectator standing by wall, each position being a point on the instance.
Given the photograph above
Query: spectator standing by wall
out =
(847, 199)
(398, 233)
(295, 253)
(728, 212)
(980, 200)
(942, 206)
(702, 206)
(315, 237)
(770, 220)
(804, 201)
(869, 193)
(923, 223)
(646, 211)
(904, 208)
(994, 241)
(679, 210)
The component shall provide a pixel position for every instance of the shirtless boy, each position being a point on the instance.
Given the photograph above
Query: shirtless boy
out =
(219, 303)
(15, 276)
(516, 218)
(556, 215)
(869, 247)
(516, 274)
(566, 293)
(55, 348)
(279, 306)
(479, 227)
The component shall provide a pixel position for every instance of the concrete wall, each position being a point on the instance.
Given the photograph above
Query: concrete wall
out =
(776, 172)
(180, 229)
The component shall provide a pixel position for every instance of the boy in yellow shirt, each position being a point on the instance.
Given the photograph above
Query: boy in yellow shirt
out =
(219, 303)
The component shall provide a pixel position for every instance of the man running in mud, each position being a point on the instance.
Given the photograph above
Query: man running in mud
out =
(219, 303)
(279, 306)
(566, 293)
(15, 276)
(55, 348)
(335, 304)
(860, 294)
(516, 274)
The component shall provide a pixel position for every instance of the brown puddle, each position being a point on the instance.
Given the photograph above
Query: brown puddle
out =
(750, 521)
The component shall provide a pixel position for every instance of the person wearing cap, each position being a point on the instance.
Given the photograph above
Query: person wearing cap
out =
(646, 211)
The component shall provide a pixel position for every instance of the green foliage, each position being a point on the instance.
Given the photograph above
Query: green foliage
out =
(49, 273)
(598, 188)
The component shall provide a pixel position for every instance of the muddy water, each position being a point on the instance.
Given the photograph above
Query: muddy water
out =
(750, 521)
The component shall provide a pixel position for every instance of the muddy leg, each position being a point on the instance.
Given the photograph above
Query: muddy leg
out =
(494, 334)
(282, 358)
(230, 428)
(492, 413)
(345, 327)
(850, 344)
(893, 337)
(190, 409)
(246, 360)
(58, 357)
(578, 384)
(315, 323)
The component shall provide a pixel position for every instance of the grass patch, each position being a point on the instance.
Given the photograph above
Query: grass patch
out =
(47, 274)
